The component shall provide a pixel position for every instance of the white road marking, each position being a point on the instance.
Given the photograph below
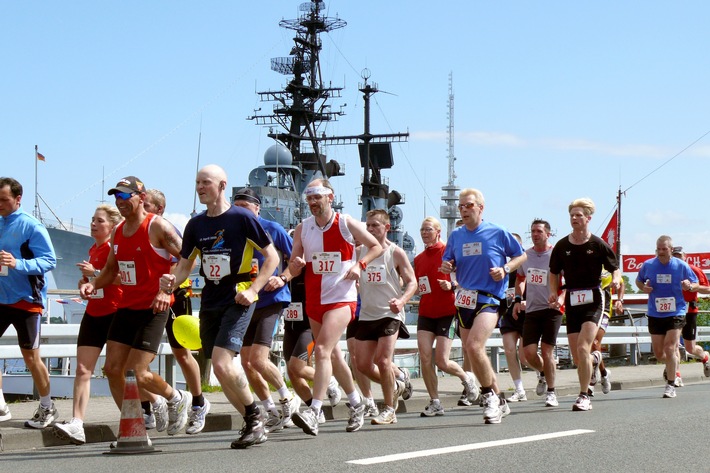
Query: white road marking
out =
(464, 448)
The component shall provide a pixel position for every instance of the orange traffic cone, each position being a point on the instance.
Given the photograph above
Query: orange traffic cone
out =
(132, 437)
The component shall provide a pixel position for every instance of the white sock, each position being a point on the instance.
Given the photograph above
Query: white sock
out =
(45, 401)
(283, 392)
(177, 395)
(2, 399)
(269, 405)
(316, 405)
(354, 398)
(518, 385)
(77, 421)
(435, 401)
(400, 374)
(369, 401)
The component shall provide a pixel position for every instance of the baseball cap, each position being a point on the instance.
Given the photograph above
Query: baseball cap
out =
(677, 250)
(248, 195)
(129, 184)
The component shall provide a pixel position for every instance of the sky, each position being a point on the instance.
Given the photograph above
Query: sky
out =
(554, 100)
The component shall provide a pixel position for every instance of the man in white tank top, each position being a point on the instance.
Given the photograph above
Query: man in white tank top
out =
(382, 314)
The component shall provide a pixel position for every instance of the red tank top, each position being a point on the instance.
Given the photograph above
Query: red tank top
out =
(140, 266)
(106, 300)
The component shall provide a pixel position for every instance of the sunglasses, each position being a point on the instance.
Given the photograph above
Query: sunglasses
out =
(123, 195)
(467, 205)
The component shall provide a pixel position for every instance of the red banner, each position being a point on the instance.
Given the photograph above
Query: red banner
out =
(632, 263)
(610, 235)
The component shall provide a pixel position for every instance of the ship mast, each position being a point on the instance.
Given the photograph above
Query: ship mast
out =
(449, 211)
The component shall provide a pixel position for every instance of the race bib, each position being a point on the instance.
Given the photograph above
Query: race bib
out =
(424, 287)
(216, 267)
(97, 294)
(466, 298)
(536, 277)
(665, 304)
(472, 249)
(3, 270)
(294, 312)
(376, 275)
(127, 272)
(581, 297)
(327, 262)
(663, 278)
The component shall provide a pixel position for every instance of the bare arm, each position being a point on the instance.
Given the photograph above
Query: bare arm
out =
(406, 272)
(271, 261)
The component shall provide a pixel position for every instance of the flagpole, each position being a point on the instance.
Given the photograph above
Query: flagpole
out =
(618, 227)
(36, 213)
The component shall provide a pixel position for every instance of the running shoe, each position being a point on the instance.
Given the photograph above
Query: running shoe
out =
(149, 420)
(407, 393)
(387, 416)
(72, 431)
(5, 413)
(463, 400)
(399, 388)
(160, 411)
(590, 392)
(371, 410)
(678, 383)
(177, 412)
(321, 418)
(551, 399)
(706, 366)
(333, 392)
(669, 392)
(606, 382)
(288, 407)
(307, 420)
(252, 433)
(42, 417)
(518, 396)
(470, 389)
(196, 419)
(596, 359)
(582, 403)
(432, 409)
(356, 418)
(541, 387)
(494, 409)
(273, 423)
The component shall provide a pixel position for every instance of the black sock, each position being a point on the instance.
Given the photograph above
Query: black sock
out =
(198, 401)
(308, 402)
(251, 410)
(147, 407)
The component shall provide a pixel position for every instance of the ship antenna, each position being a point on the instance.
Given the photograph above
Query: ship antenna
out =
(194, 198)
(449, 210)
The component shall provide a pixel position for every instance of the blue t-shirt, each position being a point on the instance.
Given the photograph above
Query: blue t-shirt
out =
(284, 245)
(235, 234)
(665, 280)
(475, 252)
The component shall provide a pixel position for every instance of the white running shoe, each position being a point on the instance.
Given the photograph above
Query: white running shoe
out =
(551, 399)
(606, 382)
(149, 420)
(494, 409)
(541, 387)
(333, 392)
(432, 409)
(582, 403)
(42, 417)
(357, 417)
(72, 431)
(407, 393)
(160, 412)
(5, 413)
(669, 392)
(177, 412)
(196, 419)
(371, 410)
(470, 389)
(387, 416)
(518, 396)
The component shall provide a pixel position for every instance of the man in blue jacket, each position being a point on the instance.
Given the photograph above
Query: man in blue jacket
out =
(26, 255)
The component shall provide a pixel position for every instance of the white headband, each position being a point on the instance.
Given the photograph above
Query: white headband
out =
(318, 190)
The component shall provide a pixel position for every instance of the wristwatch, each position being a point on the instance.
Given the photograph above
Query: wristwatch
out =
(506, 268)
(283, 278)
(96, 273)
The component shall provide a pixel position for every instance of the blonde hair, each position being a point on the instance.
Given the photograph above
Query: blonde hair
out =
(477, 195)
(381, 213)
(112, 213)
(585, 203)
(434, 223)
(156, 197)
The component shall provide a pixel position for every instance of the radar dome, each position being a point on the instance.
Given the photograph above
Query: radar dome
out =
(278, 155)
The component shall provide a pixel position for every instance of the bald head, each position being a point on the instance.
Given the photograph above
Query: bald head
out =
(214, 172)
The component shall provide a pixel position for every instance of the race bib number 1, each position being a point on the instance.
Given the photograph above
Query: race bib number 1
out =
(127, 271)
(466, 298)
(581, 297)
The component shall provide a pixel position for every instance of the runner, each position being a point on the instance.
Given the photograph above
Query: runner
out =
(604, 375)
(226, 237)
(477, 252)
(435, 322)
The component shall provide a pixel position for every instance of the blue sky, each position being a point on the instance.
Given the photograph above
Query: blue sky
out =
(554, 100)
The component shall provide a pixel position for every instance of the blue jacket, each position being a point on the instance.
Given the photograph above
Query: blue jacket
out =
(27, 240)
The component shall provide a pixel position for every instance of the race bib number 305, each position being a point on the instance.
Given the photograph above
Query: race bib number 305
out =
(466, 298)
(537, 277)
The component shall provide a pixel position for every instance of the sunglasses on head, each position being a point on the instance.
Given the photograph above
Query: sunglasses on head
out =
(124, 195)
